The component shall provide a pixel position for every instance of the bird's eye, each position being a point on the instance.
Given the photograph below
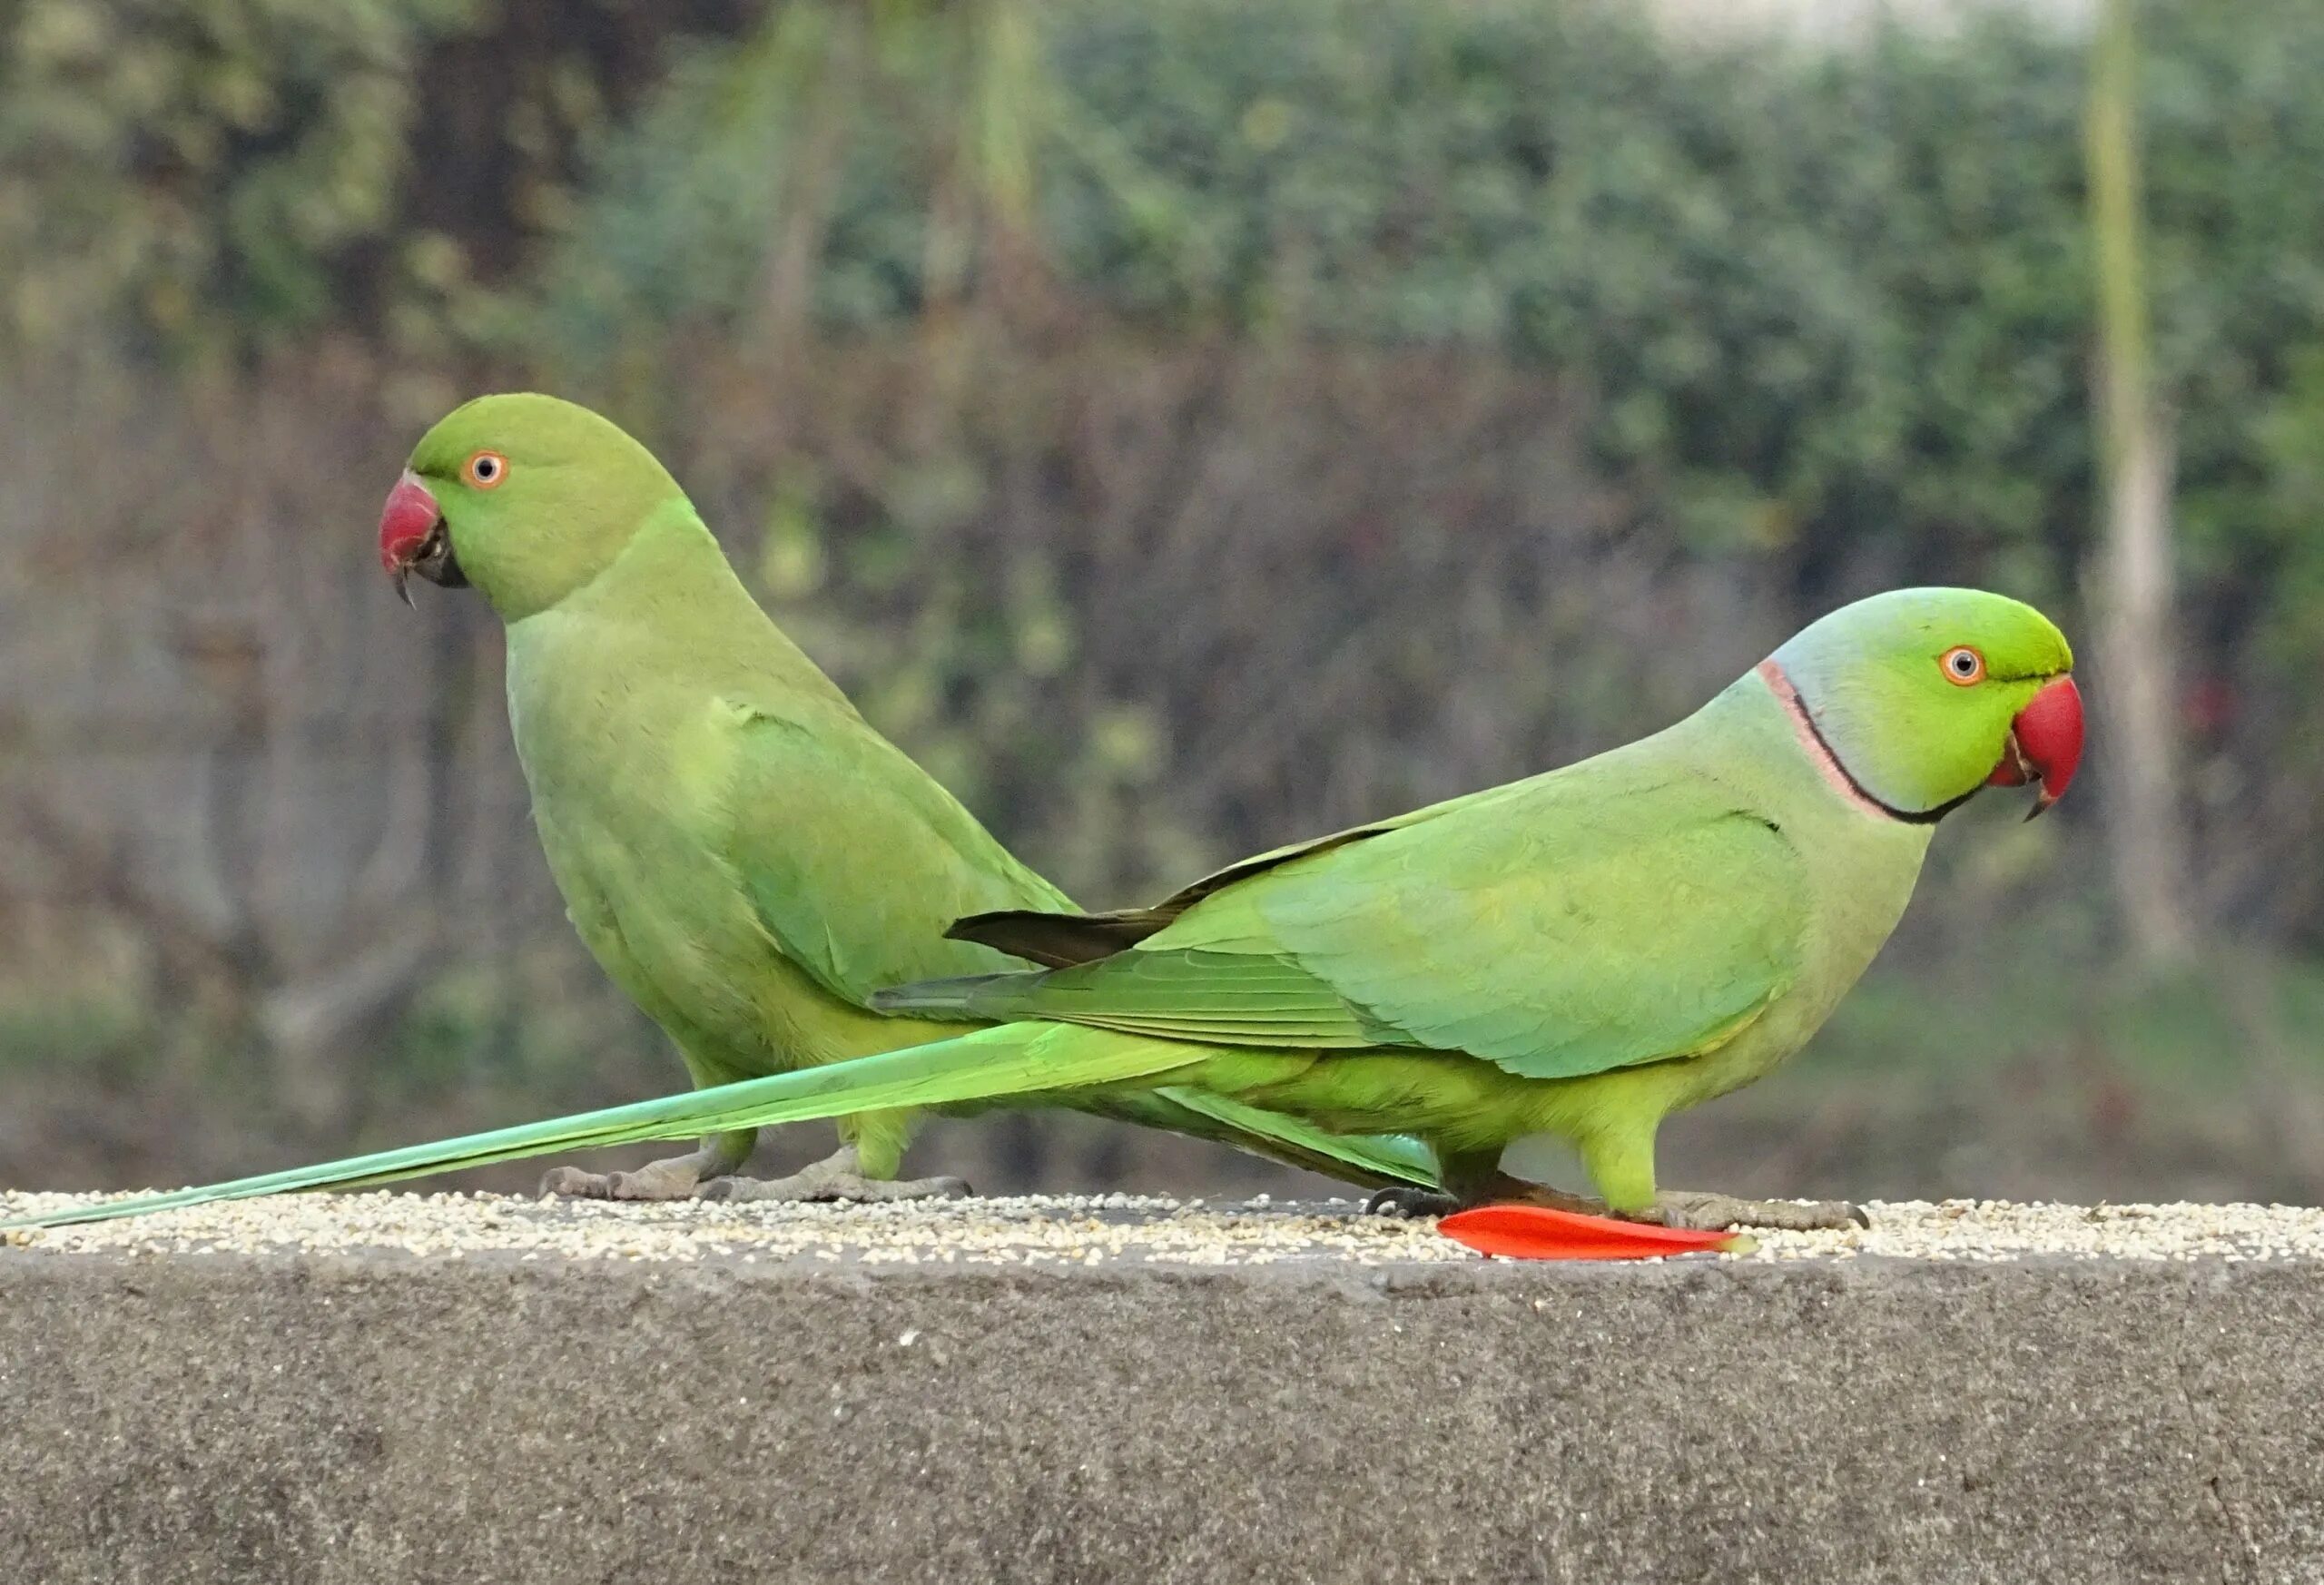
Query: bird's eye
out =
(1963, 665)
(485, 469)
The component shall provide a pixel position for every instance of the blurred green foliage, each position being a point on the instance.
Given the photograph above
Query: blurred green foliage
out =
(1826, 303)
(192, 173)
(1815, 296)
(1823, 311)
(206, 179)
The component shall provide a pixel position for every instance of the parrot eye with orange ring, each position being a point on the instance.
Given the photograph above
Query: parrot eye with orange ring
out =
(485, 470)
(1963, 665)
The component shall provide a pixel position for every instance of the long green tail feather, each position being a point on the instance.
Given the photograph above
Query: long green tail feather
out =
(1384, 1159)
(971, 996)
(1012, 1060)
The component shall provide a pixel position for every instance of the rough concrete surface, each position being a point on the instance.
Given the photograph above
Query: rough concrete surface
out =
(375, 1414)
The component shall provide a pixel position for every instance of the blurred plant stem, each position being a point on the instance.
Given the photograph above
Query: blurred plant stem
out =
(2136, 646)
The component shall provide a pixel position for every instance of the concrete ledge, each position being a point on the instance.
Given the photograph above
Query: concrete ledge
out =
(370, 1417)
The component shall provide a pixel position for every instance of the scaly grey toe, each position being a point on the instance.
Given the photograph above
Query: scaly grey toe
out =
(1404, 1200)
(677, 1178)
(570, 1183)
(817, 1184)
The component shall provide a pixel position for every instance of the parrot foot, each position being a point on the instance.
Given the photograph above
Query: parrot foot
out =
(1500, 1189)
(1406, 1200)
(810, 1186)
(1709, 1213)
(835, 1177)
(676, 1179)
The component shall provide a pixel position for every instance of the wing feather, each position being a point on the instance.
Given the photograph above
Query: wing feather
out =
(1571, 925)
(856, 860)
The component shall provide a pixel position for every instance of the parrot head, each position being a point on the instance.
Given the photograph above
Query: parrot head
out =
(1917, 698)
(525, 496)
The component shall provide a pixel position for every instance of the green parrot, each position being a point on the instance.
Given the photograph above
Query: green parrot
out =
(1580, 953)
(745, 857)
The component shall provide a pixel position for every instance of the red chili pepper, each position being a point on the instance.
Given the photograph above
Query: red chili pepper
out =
(1538, 1232)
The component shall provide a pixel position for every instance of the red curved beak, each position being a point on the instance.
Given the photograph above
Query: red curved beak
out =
(2045, 744)
(407, 524)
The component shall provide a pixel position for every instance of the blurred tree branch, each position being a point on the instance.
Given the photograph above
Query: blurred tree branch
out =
(2137, 647)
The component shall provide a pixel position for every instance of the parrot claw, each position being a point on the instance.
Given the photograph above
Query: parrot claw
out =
(814, 1185)
(1500, 1189)
(837, 1177)
(570, 1183)
(1709, 1213)
(676, 1177)
(1404, 1200)
(674, 1180)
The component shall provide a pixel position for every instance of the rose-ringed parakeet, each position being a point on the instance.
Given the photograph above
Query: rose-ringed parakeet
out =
(1580, 953)
(1601, 945)
(744, 855)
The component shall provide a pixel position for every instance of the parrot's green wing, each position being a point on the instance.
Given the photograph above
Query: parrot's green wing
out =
(1560, 927)
(855, 861)
(1058, 940)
